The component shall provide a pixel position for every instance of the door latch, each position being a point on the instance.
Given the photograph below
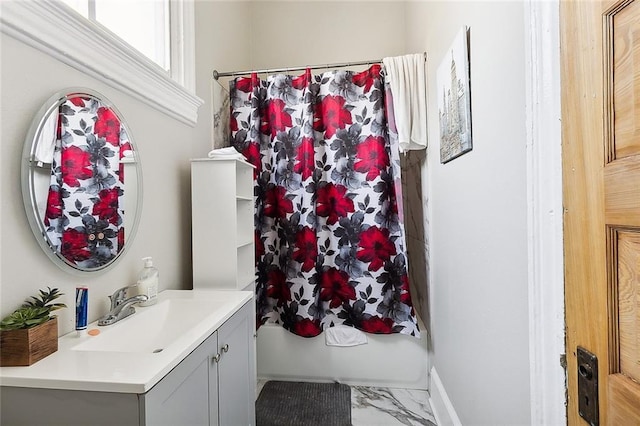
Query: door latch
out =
(588, 386)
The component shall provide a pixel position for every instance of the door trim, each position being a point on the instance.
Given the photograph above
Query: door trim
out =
(545, 213)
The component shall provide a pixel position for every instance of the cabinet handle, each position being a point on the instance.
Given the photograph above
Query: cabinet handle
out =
(216, 358)
(225, 348)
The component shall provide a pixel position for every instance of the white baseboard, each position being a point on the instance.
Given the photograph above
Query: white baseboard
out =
(441, 405)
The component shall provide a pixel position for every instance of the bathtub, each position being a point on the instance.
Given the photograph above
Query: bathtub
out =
(394, 360)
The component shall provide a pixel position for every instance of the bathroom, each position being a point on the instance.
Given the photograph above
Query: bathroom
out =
(475, 302)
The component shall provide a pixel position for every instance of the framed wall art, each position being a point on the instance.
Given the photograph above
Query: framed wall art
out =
(454, 99)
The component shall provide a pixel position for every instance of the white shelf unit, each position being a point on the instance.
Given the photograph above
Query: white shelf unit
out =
(222, 229)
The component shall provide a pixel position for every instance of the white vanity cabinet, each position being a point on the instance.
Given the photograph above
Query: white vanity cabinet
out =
(188, 394)
(222, 228)
(214, 385)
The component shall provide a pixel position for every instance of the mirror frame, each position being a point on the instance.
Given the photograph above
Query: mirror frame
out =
(29, 189)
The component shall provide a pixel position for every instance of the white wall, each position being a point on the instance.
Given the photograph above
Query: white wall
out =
(478, 241)
(28, 78)
(223, 44)
(294, 33)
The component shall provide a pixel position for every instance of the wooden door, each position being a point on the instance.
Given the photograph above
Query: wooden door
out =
(600, 50)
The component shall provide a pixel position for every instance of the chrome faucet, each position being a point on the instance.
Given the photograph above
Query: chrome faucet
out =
(121, 307)
(119, 295)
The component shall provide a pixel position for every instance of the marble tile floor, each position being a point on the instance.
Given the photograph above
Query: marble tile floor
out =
(377, 406)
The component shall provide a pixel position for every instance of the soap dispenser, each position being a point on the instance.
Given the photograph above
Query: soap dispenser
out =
(148, 282)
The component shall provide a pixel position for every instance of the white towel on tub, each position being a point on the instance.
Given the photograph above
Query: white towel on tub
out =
(342, 335)
(408, 82)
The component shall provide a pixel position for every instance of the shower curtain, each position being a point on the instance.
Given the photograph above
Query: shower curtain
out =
(84, 215)
(330, 245)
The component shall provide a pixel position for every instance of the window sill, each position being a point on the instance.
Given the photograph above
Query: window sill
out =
(97, 53)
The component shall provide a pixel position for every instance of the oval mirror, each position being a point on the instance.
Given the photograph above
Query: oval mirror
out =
(77, 157)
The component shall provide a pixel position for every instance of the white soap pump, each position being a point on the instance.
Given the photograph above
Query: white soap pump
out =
(148, 282)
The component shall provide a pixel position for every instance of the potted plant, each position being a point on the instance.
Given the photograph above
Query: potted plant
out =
(30, 333)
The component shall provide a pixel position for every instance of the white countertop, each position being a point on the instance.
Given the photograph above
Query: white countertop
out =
(121, 371)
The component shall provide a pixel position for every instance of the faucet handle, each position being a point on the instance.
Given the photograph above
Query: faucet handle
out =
(119, 295)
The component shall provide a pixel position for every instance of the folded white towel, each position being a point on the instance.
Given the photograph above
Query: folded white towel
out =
(229, 152)
(341, 335)
(407, 80)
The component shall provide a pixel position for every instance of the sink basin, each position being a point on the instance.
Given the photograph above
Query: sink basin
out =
(151, 329)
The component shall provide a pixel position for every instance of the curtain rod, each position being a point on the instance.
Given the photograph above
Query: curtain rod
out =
(217, 74)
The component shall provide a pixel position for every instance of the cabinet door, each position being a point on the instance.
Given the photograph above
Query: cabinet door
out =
(236, 369)
(184, 395)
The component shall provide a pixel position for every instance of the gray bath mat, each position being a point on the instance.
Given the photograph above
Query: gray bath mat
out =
(303, 404)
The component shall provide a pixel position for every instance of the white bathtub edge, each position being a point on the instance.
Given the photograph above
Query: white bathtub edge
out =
(395, 361)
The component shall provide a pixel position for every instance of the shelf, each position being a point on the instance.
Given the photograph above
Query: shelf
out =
(242, 244)
(245, 227)
(222, 217)
(246, 271)
(244, 181)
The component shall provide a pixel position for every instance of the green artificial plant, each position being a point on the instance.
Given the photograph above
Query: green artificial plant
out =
(35, 310)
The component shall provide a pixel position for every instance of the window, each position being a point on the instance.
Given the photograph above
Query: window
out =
(59, 31)
(144, 24)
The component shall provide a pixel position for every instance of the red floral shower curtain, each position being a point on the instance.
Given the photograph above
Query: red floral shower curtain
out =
(84, 216)
(330, 245)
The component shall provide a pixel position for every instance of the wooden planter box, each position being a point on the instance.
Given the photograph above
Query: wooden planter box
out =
(27, 346)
